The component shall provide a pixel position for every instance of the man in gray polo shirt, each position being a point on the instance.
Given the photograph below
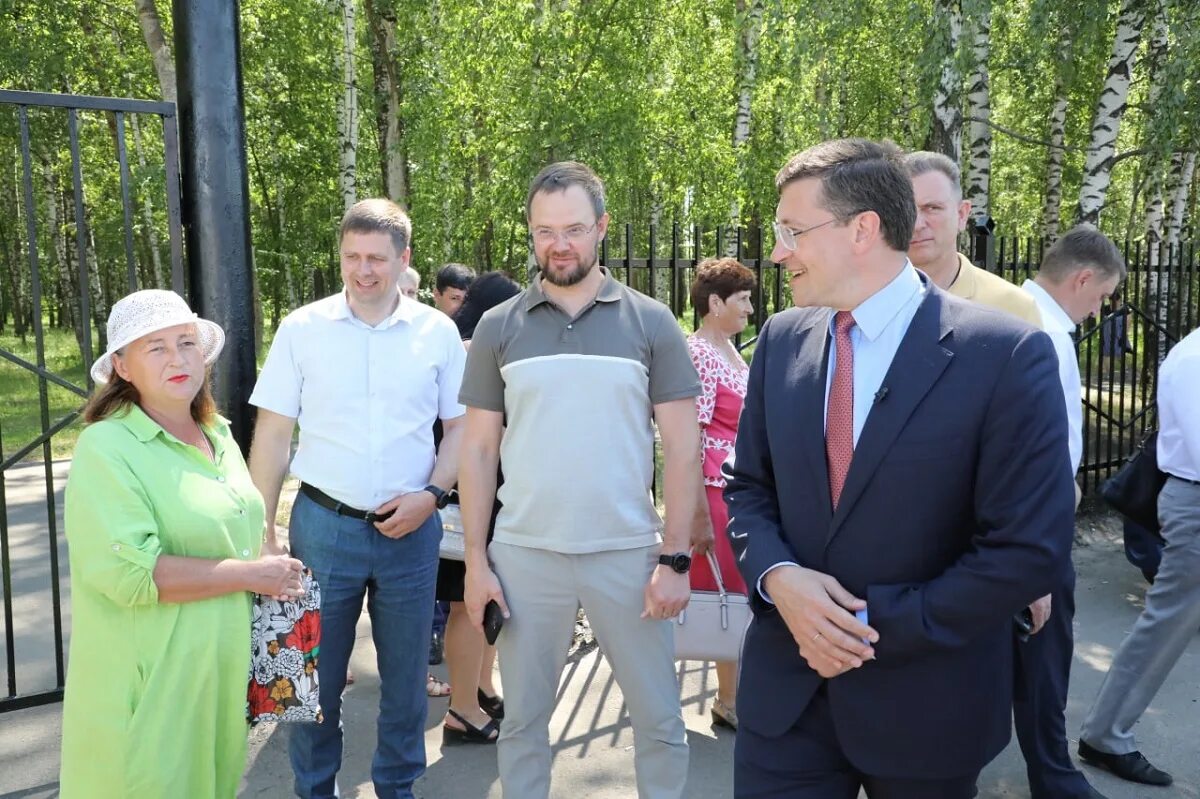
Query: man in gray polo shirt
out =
(564, 384)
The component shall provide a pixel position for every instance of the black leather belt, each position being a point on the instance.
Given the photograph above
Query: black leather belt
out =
(329, 503)
(1184, 479)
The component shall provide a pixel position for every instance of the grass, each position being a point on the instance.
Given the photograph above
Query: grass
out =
(20, 404)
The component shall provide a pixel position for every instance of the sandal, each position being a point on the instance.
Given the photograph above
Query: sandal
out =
(470, 734)
(435, 688)
(724, 716)
(492, 705)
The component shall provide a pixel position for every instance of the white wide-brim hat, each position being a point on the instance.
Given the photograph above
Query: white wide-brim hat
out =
(146, 311)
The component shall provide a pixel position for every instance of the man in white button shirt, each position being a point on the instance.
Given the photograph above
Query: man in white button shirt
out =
(1172, 613)
(365, 372)
(1077, 274)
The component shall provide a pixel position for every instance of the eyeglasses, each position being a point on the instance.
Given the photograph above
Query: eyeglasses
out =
(786, 236)
(573, 234)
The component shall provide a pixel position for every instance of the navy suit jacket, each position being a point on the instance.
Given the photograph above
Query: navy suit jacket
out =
(957, 512)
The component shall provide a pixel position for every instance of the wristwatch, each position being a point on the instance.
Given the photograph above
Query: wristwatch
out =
(442, 497)
(680, 563)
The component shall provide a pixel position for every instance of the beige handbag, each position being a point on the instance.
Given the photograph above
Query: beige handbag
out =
(453, 546)
(713, 624)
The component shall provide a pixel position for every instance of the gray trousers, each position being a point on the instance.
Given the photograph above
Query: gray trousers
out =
(1162, 632)
(543, 590)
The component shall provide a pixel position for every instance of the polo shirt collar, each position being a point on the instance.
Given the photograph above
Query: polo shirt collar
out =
(1054, 318)
(340, 309)
(610, 291)
(874, 314)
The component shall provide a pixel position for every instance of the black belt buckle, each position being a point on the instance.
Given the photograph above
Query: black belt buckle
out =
(374, 518)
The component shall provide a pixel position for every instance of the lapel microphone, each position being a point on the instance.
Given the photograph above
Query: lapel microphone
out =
(881, 394)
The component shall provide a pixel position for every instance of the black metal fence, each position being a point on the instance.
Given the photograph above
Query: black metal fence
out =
(1119, 352)
(32, 579)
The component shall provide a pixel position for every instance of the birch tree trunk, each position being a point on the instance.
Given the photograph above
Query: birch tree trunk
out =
(1183, 170)
(1106, 124)
(385, 59)
(160, 51)
(750, 17)
(62, 262)
(161, 279)
(1156, 58)
(946, 134)
(348, 108)
(1055, 154)
(979, 105)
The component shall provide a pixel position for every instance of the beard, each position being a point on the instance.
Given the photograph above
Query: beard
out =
(572, 276)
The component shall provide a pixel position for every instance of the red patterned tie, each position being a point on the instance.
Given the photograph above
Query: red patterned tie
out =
(839, 420)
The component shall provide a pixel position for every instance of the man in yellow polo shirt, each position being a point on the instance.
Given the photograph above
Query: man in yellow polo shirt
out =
(941, 215)
(1042, 664)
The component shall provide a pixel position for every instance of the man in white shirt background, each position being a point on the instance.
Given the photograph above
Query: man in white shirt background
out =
(1172, 612)
(365, 373)
(1077, 274)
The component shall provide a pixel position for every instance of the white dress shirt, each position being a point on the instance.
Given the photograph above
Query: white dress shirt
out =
(1059, 327)
(1179, 409)
(880, 323)
(365, 397)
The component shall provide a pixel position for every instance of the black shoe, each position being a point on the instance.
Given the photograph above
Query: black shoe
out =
(1133, 766)
(470, 734)
(492, 705)
(437, 648)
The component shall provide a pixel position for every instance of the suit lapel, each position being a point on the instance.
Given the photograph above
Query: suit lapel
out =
(808, 376)
(919, 362)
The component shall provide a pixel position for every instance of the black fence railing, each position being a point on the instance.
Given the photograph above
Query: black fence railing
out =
(66, 288)
(1119, 352)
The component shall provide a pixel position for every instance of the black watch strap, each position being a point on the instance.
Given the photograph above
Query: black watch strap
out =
(442, 497)
(680, 562)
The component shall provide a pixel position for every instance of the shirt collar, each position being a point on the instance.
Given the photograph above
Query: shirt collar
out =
(610, 291)
(1053, 316)
(144, 428)
(340, 309)
(874, 314)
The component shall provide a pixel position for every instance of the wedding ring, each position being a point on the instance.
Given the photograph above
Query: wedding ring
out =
(815, 637)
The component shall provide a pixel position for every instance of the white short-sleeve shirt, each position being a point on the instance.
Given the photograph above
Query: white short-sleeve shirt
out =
(365, 397)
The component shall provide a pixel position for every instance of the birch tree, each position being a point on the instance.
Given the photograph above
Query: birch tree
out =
(946, 134)
(385, 59)
(160, 51)
(749, 26)
(1179, 184)
(1055, 154)
(979, 112)
(1106, 123)
(348, 107)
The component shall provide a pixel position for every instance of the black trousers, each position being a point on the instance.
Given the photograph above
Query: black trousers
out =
(1042, 673)
(807, 762)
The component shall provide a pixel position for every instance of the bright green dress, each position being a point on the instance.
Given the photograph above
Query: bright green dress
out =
(156, 693)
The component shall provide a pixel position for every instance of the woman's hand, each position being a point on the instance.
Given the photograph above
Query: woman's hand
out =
(277, 576)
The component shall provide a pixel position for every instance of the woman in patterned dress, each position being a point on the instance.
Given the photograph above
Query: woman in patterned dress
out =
(721, 296)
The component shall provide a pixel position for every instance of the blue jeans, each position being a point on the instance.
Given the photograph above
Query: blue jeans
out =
(350, 559)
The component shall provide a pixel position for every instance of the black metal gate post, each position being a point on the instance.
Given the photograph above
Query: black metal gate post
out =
(216, 192)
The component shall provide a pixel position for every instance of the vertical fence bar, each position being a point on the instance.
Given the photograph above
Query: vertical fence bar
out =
(10, 647)
(697, 238)
(174, 214)
(85, 309)
(628, 254)
(676, 304)
(43, 397)
(123, 161)
(652, 282)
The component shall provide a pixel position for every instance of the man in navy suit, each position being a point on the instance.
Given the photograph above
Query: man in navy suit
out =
(901, 488)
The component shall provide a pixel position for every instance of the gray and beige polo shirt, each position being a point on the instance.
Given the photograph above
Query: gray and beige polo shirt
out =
(578, 396)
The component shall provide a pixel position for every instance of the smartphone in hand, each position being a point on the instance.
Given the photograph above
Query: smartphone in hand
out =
(493, 620)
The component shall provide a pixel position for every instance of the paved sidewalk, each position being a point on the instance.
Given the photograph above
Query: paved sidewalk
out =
(593, 742)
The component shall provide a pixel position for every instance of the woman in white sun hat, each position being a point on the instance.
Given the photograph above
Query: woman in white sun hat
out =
(164, 528)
